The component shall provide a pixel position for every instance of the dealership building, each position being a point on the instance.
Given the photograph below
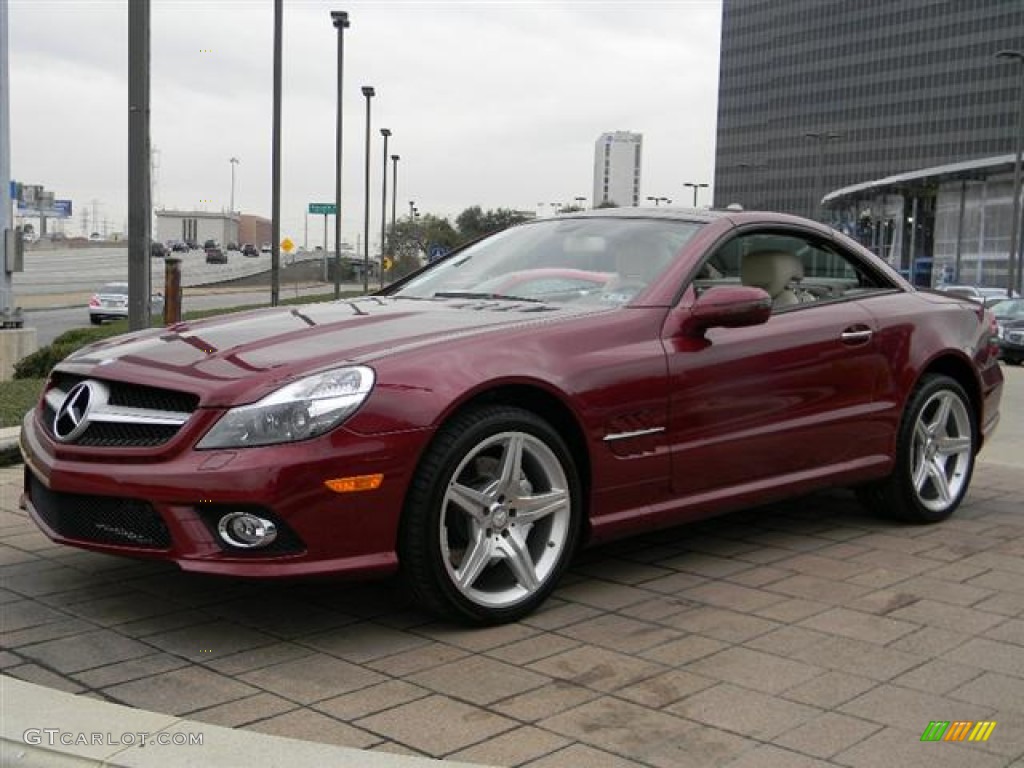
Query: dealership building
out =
(898, 115)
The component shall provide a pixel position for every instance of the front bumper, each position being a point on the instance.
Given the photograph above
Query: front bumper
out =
(165, 504)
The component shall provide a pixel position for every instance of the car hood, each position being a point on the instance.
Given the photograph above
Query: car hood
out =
(240, 357)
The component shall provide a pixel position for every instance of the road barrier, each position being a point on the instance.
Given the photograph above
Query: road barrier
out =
(62, 271)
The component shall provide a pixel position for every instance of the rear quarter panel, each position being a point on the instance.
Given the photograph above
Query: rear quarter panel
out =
(920, 331)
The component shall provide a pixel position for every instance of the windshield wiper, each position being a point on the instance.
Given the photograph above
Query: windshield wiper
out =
(481, 295)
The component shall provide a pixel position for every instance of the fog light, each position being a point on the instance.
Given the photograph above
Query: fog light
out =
(246, 530)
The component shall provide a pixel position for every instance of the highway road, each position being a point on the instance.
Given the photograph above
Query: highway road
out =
(50, 323)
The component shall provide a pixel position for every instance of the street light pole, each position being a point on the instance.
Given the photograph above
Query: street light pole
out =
(369, 93)
(384, 204)
(234, 161)
(340, 21)
(1013, 278)
(275, 163)
(695, 186)
(821, 137)
(394, 193)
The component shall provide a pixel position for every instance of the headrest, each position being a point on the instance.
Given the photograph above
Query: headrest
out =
(771, 270)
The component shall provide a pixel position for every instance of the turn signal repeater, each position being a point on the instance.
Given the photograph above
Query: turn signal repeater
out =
(355, 483)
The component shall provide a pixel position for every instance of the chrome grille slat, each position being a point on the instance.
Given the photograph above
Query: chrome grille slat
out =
(129, 418)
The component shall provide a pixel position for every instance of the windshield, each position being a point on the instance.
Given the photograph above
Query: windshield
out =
(559, 261)
(114, 288)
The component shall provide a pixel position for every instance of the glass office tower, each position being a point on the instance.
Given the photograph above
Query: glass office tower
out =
(816, 95)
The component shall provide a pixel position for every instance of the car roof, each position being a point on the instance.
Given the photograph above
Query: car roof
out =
(697, 215)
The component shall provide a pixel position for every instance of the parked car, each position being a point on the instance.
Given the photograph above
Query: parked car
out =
(211, 244)
(1009, 315)
(472, 442)
(265, 248)
(248, 249)
(216, 255)
(983, 295)
(233, 246)
(110, 302)
(158, 250)
(179, 246)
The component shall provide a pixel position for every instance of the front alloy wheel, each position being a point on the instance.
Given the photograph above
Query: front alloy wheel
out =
(486, 540)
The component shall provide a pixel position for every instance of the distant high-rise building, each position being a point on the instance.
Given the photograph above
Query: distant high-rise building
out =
(816, 95)
(617, 158)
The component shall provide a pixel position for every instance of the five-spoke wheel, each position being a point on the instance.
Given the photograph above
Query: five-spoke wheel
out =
(934, 455)
(493, 517)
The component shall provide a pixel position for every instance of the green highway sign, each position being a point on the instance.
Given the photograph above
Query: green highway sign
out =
(323, 209)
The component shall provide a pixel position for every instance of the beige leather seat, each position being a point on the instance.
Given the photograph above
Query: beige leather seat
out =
(774, 271)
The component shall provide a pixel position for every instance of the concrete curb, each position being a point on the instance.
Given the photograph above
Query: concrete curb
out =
(112, 735)
(9, 453)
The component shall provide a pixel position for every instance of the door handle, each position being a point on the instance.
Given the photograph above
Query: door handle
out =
(856, 336)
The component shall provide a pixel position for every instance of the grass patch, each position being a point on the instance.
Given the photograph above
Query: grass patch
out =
(17, 397)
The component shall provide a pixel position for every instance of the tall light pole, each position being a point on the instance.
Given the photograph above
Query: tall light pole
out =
(369, 93)
(695, 186)
(384, 203)
(1013, 278)
(394, 193)
(275, 163)
(340, 21)
(234, 161)
(821, 138)
(139, 211)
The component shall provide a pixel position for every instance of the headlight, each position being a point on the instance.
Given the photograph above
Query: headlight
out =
(1000, 332)
(301, 410)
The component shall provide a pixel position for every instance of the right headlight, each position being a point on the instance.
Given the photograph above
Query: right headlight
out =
(298, 411)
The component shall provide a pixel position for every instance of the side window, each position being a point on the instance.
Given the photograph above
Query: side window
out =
(794, 270)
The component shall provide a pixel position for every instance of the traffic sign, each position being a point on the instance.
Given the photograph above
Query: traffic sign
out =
(323, 209)
(436, 251)
(287, 245)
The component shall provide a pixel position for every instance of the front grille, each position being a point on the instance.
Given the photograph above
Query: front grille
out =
(98, 519)
(1016, 337)
(111, 435)
(137, 396)
(127, 433)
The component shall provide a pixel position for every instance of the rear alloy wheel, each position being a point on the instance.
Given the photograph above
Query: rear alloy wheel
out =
(935, 455)
(493, 517)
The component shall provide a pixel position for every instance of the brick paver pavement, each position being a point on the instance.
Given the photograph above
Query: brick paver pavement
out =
(800, 634)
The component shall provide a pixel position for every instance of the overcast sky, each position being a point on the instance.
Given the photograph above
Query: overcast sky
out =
(496, 104)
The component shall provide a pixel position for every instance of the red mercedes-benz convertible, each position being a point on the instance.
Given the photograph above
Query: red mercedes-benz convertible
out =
(472, 440)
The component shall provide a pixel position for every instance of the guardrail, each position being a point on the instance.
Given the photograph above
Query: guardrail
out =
(73, 270)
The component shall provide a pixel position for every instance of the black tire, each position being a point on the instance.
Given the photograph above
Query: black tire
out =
(96, 320)
(474, 547)
(935, 451)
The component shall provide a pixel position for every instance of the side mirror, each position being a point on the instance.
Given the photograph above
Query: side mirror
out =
(727, 306)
